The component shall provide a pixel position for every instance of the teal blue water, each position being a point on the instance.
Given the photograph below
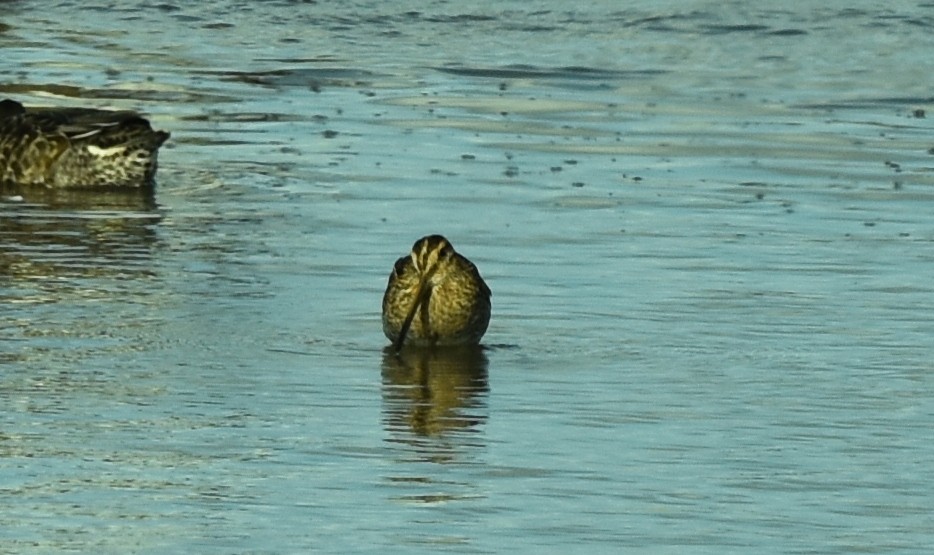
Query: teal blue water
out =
(707, 227)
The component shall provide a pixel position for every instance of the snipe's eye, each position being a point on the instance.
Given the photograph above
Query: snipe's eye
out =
(399, 268)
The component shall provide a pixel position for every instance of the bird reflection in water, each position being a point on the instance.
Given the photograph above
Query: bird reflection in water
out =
(434, 393)
(78, 268)
(77, 199)
(47, 234)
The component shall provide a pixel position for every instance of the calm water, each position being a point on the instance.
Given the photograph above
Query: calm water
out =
(708, 227)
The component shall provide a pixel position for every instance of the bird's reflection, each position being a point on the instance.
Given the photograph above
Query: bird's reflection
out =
(78, 199)
(52, 234)
(433, 394)
(63, 259)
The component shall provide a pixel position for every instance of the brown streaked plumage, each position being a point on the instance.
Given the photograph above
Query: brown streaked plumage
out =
(435, 296)
(72, 148)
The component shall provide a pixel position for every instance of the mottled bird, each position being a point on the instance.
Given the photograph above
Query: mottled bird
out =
(435, 297)
(71, 148)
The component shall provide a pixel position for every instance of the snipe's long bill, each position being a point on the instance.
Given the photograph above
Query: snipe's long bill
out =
(76, 148)
(435, 297)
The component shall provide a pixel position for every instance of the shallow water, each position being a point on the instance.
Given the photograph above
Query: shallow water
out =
(707, 229)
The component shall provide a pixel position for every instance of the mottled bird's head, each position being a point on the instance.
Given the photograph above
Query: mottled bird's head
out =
(429, 254)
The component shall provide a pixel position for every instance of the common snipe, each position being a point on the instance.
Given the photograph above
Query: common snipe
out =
(76, 147)
(435, 296)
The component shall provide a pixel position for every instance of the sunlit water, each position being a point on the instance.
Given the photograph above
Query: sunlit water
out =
(707, 227)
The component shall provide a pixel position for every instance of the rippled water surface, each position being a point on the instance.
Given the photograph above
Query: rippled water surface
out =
(708, 228)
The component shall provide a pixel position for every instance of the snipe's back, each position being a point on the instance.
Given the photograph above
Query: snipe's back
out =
(76, 147)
